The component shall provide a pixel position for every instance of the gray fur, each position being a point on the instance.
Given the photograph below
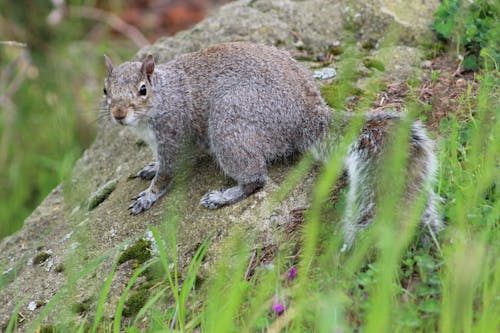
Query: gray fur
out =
(247, 105)
(149, 171)
(364, 163)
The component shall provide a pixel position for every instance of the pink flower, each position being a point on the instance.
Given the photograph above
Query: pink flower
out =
(277, 306)
(292, 272)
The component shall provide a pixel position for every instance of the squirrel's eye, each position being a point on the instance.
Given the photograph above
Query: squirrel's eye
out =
(104, 91)
(142, 90)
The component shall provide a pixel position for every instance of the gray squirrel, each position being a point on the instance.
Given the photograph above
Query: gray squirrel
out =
(248, 105)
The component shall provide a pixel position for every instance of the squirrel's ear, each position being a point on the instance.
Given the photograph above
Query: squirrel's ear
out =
(109, 64)
(148, 66)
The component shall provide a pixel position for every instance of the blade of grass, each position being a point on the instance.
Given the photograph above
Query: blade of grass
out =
(149, 304)
(102, 298)
(13, 318)
(123, 297)
(164, 260)
(190, 276)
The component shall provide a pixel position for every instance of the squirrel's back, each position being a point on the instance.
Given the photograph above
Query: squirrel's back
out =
(257, 90)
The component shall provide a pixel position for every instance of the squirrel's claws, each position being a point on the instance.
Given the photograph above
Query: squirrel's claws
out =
(208, 200)
(140, 195)
(140, 206)
(224, 197)
(144, 201)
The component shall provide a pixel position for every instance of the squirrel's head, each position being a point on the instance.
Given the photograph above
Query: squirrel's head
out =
(128, 90)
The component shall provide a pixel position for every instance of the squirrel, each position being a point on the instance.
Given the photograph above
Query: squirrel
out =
(249, 105)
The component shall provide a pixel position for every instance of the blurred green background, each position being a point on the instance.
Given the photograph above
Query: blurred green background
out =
(51, 73)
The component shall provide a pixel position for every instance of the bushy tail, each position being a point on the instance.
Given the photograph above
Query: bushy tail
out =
(364, 163)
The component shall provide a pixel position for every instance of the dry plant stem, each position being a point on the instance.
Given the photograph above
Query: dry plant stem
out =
(112, 20)
(9, 89)
(10, 115)
(12, 43)
(247, 273)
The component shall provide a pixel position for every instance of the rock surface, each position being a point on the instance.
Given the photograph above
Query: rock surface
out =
(62, 236)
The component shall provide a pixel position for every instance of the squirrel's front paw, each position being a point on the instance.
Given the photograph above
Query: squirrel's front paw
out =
(149, 171)
(143, 201)
(224, 197)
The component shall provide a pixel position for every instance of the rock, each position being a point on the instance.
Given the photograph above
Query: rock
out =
(401, 62)
(80, 239)
(325, 73)
(427, 64)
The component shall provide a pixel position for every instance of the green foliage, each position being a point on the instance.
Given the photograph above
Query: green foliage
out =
(140, 251)
(135, 302)
(41, 258)
(80, 307)
(386, 283)
(51, 115)
(473, 26)
(374, 63)
(120, 309)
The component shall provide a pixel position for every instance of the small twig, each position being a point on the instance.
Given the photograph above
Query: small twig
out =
(8, 89)
(20, 76)
(112, 20)
(10, 117)
(12, 43)
(388, 105)
(249, 267)
(458, 71)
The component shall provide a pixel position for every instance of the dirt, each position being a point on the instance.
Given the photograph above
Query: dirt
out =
(445, 90)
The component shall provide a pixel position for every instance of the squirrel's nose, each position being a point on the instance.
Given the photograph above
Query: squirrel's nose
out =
(119, 113)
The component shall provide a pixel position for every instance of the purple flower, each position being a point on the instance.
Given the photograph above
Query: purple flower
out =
(292, 272)
(277, 306)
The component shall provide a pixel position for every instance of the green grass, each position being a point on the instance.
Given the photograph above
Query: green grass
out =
(386, 283)
(50, 118)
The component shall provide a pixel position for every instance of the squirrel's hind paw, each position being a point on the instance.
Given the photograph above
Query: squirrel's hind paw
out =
(148, 172)
(217, 199)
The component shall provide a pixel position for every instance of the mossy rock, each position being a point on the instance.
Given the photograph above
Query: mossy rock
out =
(139, 251)
(135, 302)
(41, 258)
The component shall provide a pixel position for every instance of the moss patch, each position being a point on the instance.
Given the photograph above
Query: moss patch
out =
(41, 258)
(369, 44)
(335, 94)
(154, 272)
(374, 63)
(135, 302)
(336, 49)
(47, 329)
(59, 268)
(101, 194)
(81, 307)
(140, 251)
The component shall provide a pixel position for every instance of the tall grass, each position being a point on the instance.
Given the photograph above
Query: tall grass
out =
(52, 103)
(388, 282)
